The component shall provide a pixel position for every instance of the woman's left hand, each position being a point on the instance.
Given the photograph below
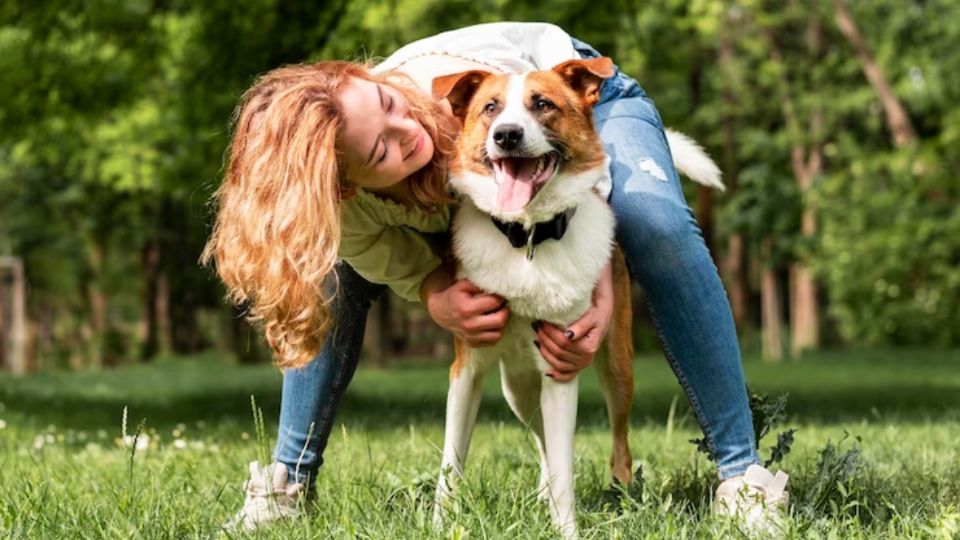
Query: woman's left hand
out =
(570, 350)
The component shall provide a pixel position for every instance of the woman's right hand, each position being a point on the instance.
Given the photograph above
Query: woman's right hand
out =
(465, 310)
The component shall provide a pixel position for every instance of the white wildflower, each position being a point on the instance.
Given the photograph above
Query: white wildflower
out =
(143, 441)
(179, 444)
(3, 423)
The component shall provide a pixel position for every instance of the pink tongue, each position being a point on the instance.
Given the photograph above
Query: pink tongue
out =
(516, 183)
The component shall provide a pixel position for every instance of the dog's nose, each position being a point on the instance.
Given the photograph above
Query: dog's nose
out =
(508, 136)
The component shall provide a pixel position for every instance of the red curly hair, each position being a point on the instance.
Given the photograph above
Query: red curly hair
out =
(277, 229)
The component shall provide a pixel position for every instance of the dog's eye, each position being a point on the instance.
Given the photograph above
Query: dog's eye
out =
(490, 107)
(544, 105)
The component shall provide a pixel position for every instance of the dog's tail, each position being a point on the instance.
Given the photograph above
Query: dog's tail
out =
(691, 159)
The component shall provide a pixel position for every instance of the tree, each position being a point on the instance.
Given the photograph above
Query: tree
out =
(13, 335)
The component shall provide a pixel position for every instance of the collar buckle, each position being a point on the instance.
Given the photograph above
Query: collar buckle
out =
(531, 245)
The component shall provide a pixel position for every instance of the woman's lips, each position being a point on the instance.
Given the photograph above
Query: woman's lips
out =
(416, 146)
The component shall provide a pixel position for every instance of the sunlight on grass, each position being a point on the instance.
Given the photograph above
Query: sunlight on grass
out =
(68, 471)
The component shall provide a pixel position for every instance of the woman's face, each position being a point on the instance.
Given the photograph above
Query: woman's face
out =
(381, 141)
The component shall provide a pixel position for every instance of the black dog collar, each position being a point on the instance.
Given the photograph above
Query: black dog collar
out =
(539, 233)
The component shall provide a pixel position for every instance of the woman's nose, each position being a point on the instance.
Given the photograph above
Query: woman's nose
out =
(405, 127)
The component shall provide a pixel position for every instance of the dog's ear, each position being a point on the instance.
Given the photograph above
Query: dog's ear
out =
(459, 89)
(585, 76)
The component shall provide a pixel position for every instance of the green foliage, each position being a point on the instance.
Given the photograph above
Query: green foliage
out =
(116, 120)
(835, 480)
(889, 249)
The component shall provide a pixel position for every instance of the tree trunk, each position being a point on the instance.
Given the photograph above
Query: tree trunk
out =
(704, 207)
(150, 260)
(185, 332)
(735, 269)
(805, 305)
(771, 323)
(804, 312)
(704, 213)
(806, 162)
(16, 351)
(96, 306)
(161, 306)
(4, 331)
(379, 332)
(733, 264)
(898, 121)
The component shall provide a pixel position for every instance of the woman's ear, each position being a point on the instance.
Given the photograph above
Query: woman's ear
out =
(347, 189)
(458, 89)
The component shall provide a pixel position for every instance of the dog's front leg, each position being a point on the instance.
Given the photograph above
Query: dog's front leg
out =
(558, 404)
(463, 400)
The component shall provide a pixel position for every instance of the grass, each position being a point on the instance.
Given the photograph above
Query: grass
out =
(66, 472)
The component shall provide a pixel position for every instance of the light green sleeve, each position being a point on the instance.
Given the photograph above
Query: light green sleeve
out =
(383, 242)
(395, 256)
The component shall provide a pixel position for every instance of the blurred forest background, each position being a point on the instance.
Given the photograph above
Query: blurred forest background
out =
(835, 122)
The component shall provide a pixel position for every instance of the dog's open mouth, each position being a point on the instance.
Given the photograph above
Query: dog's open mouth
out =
(520, 178)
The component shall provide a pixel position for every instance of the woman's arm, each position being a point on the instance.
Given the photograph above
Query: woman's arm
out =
(570, 350)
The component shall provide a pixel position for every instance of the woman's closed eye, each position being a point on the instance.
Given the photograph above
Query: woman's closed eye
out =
(388, 109)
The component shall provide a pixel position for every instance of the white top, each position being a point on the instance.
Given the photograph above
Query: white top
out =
(508, 47)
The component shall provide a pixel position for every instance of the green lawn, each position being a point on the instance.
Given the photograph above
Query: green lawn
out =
(65, 473)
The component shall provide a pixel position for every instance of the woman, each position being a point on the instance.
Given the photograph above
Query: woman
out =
(330, 161)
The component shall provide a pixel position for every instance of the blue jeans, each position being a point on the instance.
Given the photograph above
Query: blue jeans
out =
(666, 255)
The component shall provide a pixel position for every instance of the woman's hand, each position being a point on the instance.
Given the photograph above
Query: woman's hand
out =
(570, 350)
(465, 310)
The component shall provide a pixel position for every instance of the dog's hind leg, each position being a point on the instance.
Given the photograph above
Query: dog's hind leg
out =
(615, 371)
(521, 389)
(463, 401)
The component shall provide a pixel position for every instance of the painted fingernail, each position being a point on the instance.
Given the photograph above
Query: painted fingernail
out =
(548, 374)
(536, 343)
(568, 333)
(536, 325)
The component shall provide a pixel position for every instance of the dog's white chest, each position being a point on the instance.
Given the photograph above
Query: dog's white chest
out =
(556, 285)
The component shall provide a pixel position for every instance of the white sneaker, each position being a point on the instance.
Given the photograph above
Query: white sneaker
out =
(268, 498)
(758, 499)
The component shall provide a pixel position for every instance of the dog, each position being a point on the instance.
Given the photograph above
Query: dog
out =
(533, 228)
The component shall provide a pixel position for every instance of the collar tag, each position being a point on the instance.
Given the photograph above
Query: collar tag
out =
(531, 246)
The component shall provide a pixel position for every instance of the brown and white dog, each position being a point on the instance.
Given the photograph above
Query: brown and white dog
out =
(533, 229)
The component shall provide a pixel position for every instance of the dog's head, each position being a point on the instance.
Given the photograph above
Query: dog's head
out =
(527, 146)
